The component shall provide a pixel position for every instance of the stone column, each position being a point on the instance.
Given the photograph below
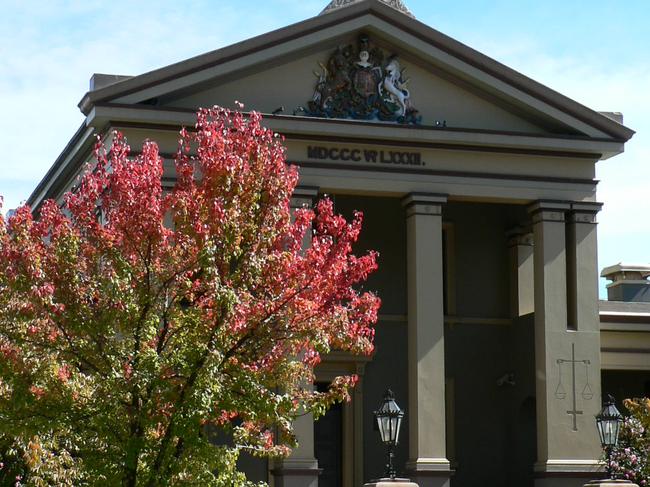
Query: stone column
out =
(520, 253)
(567, 350)
(301, 468)
(428, 464)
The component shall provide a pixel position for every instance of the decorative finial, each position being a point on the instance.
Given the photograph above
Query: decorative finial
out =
(396, 4)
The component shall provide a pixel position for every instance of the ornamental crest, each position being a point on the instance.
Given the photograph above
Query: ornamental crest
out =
(362, 83)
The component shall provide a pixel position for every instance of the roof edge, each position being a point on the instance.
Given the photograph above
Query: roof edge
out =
(39, 194)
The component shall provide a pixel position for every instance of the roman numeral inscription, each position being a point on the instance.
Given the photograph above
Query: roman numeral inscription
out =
(365, 155)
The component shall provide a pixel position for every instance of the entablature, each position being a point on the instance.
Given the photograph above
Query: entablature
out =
(299, 127)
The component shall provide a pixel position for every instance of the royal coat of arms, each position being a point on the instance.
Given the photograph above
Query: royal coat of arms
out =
(361, 83)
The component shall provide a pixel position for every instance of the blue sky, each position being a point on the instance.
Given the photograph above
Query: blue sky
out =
(596, 52)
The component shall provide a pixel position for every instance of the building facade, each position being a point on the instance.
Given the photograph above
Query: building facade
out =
(479, 192)
(625, 331)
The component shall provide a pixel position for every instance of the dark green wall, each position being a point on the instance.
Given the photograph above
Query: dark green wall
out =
(494, 424)
(384, 230)
(388, 369)
(625, 384)
(481, 257)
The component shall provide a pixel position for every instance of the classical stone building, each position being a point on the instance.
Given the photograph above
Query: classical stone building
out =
(478, 189)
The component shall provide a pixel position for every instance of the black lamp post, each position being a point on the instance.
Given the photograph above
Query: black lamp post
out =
(609, 422)
(389, 421)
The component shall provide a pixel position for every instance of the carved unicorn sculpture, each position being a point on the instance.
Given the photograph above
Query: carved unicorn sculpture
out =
(322, 92)
(392, 84)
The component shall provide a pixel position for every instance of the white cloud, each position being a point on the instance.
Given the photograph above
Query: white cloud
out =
(49, 50)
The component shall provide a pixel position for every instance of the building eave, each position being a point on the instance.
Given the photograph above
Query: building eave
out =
(64, 167)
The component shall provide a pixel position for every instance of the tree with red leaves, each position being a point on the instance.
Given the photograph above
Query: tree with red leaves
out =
(139, 327)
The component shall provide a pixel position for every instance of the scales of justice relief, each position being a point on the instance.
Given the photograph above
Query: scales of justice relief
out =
(587, 392)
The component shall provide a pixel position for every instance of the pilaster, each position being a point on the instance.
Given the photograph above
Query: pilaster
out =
(520, 254)
(583, 267)
(567, 342)
(428, 464)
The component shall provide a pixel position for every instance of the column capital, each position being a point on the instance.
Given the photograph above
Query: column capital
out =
(303, 196)
(584, 212)
(424, 204)
(548, 211)
(520, 236)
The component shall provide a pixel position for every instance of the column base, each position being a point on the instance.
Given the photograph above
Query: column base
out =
(430, 472)
(391, 483)
(611, 483)
(567, 473)
(296, 473)
(557, 481)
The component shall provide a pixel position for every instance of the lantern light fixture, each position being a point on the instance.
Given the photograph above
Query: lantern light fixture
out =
(609, 422)
(389, 421)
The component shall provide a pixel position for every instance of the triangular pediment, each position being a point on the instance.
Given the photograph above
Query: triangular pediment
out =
(335, 83)
(447, 83)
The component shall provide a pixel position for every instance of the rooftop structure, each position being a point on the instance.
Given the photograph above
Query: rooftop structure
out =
(338, 4)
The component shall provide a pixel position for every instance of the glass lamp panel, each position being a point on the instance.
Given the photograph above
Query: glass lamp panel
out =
(393, 429)
(384, 428)
(601, 431)
(609, 432)
(616, 431)
(399, 427)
